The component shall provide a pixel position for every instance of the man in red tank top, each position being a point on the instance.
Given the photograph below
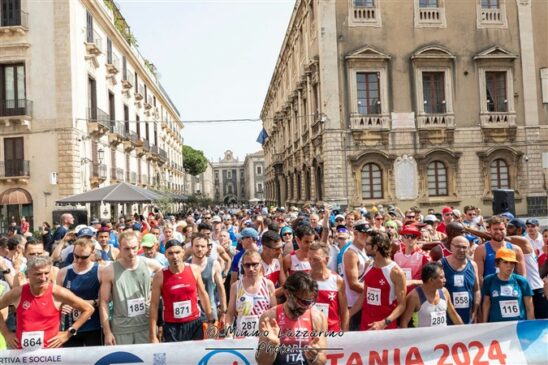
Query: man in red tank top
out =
(179, 285)
(38, 306)
(271, 260)
(331, 292)
(293, 333)
(383, 299)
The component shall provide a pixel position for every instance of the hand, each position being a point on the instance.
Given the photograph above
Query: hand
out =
(59, 340)
(66, 309)
(272, 330)
(109, 339)
(379, 325)
(12, 340)
(154, 339)
(312, 351)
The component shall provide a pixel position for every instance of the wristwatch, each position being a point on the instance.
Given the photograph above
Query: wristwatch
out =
(72, 331)
(387, 321)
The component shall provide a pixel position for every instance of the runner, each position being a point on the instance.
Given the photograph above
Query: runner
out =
(150, 246)
(179, 285)
(279, 325)
(506, 296)
(250, 296)
(287, 236)
(271, 260)
(82, 278)
(127, 281)
(354, 263)
(108, 252)
(38, 309)
(462, 282)
(412, 259)
(431, 301)
(298, 260)
(248, 241)
(331, 291)
(383, 300)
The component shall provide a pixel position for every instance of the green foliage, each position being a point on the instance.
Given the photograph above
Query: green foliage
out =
(121, 24)
(194, 161)
(199, 201)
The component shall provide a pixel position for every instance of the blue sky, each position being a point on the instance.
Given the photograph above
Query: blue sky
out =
(215, 59)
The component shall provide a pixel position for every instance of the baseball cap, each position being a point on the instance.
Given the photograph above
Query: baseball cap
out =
(137, 227)
(410, 230)
(339, 216)
(457, 213)
(391, 224)
(94, 221)
(518, 223)
(430, 218)
(285, 230)
(507, 215)
(149, 240)
(362, 226)
(85, 232)
(250, 232)
(532, 221)
(216, 219)
(506, 254)
(342, 229)
(446, 210)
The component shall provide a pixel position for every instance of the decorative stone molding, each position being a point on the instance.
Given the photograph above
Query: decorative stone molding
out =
(491, 17)
(429, 17)
(451, 161)
(386, 164)
(513, 159)
(369, 16)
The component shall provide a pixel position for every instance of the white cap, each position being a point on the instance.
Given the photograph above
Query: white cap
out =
(430, 218)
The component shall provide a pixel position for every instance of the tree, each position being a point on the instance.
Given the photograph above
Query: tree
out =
(194, 161)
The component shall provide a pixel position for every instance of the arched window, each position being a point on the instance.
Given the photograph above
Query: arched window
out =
(437, 179)
(371, 182)
(229, 189)
(499, 174)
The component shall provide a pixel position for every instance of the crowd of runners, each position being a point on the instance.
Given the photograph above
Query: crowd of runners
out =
(291, 277)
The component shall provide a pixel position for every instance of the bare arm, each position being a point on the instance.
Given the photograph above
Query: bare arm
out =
(225, 257)
(218, 277)
(451, 312)
(398, 278)
(351, 271)
(154, 304)
(529, 307)
(272, 292)
(522, 243)
(202, 294)
(520, 266)
(11, 297)
(411, 304)
(358, 305)
(269, 338)
(479, 259)
(476, 296)
(104, 298)
(343, 305)
(231, 311)
(486, 307)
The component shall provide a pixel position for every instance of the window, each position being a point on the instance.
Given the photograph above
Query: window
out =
(428, 3)
(229, 174)
(371, 182)
(109, 51)
(490, 4)
(126, 119)
(496, 91)
(364, 3)
(111, 107)
(433, 87)
(368, 92)
(89, 27)
(12, 87)
(259, 188)
(364, 13)
(14, 164)
(499, 174)
(138, 122)
(10, 13)
(437, 179)
(229, 189)
(259, 170)
(92, 99)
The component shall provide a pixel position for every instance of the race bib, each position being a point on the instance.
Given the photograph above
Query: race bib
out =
(323, 307)
(506, 290)
(136, 307)
(373, 296)
(181, 309)
(437, 319)
(458, 280)
(461, 299)
(249, 324)
(32, 340)
(407, 272)
(509, 308)
(75, 314)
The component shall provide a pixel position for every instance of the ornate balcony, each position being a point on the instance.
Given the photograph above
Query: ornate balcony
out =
(374, 122)
(17, 21)
(435, 121)
(94, 47)
(139, 90)
(98, 174)
(430, 17)
(128, 81)
(16, 112)
(117, 174)
(98, 122)
(113, 66)
(494, 17)
(117, 133)
(498, 127)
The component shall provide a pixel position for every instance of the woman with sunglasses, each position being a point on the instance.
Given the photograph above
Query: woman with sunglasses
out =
(250, 296)
(411, 259)
(83, 278)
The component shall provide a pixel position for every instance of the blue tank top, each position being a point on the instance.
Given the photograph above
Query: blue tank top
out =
(85, 286)
(489, 265)
(460, 284)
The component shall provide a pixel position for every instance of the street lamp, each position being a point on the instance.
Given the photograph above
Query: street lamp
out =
(100, 155)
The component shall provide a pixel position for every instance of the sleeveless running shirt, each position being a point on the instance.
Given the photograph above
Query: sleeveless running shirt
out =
(411, 264)
(180, 296)
(298, 265)
(351, 295)
(209, 284)
(380, 296)
(460, 284)
(250, 307)
(328, 301)
(84, 285)
(289, 339)
(432, 315)
(37, 318)
(272, 271)
(130, 298)
(490, 254)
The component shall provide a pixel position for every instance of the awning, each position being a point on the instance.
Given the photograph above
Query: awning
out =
(15, 196)
(118, 193)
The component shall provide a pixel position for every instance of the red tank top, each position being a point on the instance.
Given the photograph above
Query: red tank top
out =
(180, 296)
(328, 301)
(380, 296)
(272, 271)
(291, 338)
(36, 314)
(298, 265)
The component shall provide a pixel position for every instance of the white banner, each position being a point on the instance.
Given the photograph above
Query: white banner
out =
(505, 343)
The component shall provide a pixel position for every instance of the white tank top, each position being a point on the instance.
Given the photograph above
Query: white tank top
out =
(432, 315)
(532, 274)
(352, 295)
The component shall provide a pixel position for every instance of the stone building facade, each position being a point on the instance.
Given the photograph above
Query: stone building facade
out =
(201, 184)
(228, 179)
(254, 177)
(80, 108)
(410, 102)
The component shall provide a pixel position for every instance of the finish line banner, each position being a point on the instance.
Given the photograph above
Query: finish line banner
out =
(512, 343)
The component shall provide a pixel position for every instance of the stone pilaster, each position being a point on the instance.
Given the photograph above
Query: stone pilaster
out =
(69, 164)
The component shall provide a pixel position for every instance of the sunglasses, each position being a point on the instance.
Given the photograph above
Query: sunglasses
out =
(288, 234)
(304, 302)
(409, 236)
(207, 217)
(410, 216)
(379, 219)
(249, 265)
(78, 257)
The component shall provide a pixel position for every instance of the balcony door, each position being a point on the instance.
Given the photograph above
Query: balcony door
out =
(10, 12)
(14, 156)
(12, 90)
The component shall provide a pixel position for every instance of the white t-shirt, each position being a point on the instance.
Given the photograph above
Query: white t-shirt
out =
(537, 243)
